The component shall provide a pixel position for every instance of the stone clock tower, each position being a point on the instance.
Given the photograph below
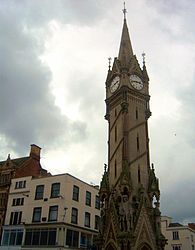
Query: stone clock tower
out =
(129, 192)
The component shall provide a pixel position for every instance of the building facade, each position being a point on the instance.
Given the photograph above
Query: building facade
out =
(12, 168)
(129, 192)
(179, 237)
(58, 212)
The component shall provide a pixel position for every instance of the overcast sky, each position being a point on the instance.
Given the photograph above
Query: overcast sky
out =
(53, 67)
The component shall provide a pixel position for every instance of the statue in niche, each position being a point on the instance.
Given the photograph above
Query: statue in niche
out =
(125, 213)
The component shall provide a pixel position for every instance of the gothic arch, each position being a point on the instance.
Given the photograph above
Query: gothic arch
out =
(144, 246)
(111, 246)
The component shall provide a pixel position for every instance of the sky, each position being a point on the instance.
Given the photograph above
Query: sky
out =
(53, 67)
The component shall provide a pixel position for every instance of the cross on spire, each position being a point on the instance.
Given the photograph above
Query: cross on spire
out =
(124, 11)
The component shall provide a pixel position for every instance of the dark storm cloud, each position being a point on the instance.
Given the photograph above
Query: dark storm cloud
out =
(27, 110)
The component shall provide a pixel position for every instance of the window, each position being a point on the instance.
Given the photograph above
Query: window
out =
(53, 213)
(176, 235)
(40, 236)
(39, 192)
(88, 198)
(192, 247)
(115, 169)
(5, 179)
(115, 133)
(72, 238)
(97, 202)
(12, 237)
(75, 194)
(74, 216)
(87, 219)
(55, 190)
(97, 221)
(136, 114)
(192, 238)
(139, 175)
(15, 218)
(37, 214)
(115, 112)
(137, 142)
(3, 199)
(176, 247)
(20, 184)
(86, 241)
(18, 202)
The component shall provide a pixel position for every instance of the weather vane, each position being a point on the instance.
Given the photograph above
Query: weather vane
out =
(109, 62)
(124, 11)
(144, 57)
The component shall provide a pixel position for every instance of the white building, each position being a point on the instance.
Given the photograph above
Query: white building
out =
(59, 211)
(179, 237)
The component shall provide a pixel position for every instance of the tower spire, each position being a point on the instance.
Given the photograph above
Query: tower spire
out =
(125, 50)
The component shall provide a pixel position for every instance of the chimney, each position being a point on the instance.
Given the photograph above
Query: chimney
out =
(35, 152)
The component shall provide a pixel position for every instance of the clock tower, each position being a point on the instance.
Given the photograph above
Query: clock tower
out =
(129, 191)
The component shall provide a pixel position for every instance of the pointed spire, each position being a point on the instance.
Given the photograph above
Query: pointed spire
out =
(125, 51)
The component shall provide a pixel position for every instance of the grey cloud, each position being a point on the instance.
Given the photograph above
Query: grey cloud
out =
(167, 6)
(27, 110)
(187, 95)
(174, 158)
(179, 201)
(87, 96)
(36, 12)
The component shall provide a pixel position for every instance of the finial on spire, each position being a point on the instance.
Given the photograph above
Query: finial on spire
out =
(144, 58)
(124, 11)
(109, 62)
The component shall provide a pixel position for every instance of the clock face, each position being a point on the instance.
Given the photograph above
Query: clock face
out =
(114, 84)
(136, 82)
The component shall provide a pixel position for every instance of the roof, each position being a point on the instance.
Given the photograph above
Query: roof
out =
(191, 225)
(176, 224)
(17, 162)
